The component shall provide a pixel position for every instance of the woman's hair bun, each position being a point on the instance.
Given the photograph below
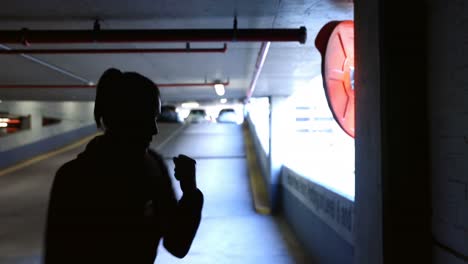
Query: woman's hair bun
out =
(110, 79)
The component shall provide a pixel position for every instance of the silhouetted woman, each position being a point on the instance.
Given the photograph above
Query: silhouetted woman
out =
(115, 201)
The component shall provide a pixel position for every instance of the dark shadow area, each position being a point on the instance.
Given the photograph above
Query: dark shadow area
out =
(49, 121)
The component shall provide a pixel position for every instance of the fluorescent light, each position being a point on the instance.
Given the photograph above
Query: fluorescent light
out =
(5, 120)
(3, 124)
(219, 89)
(190, 105)
(223, 100)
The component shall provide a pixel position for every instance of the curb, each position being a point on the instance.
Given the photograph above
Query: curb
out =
(257, 185)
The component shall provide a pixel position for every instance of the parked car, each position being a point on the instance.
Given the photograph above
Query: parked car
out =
(197, 116)
(168, 114)
(227, 115)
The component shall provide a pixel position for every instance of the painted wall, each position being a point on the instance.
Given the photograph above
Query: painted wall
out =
(76, 122)
(448, 83)
(322, 219)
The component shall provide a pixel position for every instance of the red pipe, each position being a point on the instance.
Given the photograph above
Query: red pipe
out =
(27, 36)
(44, 86)
(84, 86)
(258, 68)
(191, 84)
(111, 51)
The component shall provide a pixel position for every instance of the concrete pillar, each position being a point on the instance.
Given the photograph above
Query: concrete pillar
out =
(368, 247)
(280, 131)
(393, 199)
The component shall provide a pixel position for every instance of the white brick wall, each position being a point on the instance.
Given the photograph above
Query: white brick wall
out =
(448, 80)
(463, 220)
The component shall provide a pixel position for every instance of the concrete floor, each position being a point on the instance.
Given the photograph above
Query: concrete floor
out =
(230, 232)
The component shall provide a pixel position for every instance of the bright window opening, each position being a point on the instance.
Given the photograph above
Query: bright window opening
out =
(319, 149)
(259, 113)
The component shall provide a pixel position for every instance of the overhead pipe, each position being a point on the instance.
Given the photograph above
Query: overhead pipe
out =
(26, 36)
(114, 51)
(204, 84)
(84, 86)
(258, 68)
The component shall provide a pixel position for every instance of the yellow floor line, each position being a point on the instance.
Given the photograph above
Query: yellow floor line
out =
(47, 155)
(259, 193)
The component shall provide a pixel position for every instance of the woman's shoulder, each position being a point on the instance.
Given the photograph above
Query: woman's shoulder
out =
(157, 163)
(158, 158)
(154, 154)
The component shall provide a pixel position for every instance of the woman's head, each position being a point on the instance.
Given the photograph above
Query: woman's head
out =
(127, 104)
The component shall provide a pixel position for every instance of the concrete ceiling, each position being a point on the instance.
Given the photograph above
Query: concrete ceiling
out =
(287, 64)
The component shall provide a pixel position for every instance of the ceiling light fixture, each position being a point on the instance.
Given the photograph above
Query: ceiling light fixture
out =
(223, 100)
(219, 89)
(190, 104)
(3, 125)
